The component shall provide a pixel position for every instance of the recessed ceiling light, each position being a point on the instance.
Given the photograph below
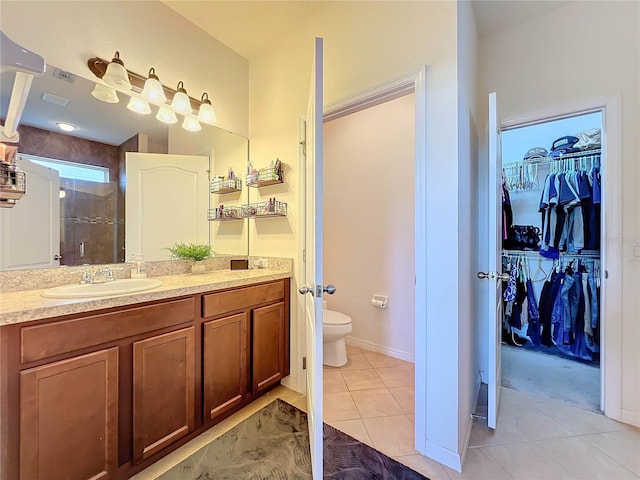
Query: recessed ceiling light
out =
(67, 127)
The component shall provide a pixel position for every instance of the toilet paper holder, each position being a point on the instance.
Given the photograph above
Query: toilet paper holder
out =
(380, 301)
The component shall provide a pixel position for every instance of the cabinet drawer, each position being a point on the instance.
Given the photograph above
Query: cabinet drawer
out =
(224, 302)
(47, 340)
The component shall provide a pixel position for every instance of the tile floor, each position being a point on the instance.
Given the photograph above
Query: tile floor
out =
(372, 397)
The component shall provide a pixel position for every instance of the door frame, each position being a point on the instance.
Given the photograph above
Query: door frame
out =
(412, 82)
(611, 235)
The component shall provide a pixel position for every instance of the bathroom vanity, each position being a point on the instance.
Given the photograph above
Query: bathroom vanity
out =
(101, 388)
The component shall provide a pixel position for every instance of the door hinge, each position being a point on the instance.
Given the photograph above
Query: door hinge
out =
(304, 147)
(304, 255)
(304, 363)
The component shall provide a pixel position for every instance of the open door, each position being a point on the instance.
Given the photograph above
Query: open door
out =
(494, 274)
(153, 202)
(312, 289)
(30, 231)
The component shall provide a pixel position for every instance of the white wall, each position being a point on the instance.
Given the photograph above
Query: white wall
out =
(600, 42)
(366, 44)
(468, 377)
(147, 34)
(369, 222)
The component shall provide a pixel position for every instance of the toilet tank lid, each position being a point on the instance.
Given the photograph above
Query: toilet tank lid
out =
(329, 317)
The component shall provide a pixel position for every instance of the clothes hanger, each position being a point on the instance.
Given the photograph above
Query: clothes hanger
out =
(540, 270)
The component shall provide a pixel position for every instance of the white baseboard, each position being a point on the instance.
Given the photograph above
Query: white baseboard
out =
(632, 418)
(373, 347)
(469, 425)
(292, 383)
(444, 456)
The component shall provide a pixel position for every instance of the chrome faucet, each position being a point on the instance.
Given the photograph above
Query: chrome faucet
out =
(106, 273)
(85, 275)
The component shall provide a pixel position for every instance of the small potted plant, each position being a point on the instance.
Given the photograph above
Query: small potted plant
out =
(192, 251)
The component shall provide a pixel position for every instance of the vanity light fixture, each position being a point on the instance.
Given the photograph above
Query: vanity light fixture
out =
(105, 93)
(116, 75)
(191, 124)
(139, 105)
(148, 90)
(153, 89)
(166, 115)
(206, 113)
(181, 103)
(66, 127)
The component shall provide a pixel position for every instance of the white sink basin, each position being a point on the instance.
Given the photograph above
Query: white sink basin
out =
(117, 287)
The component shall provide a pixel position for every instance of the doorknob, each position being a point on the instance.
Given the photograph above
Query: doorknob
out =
(492, 275)
(329, 289)
(305, 289)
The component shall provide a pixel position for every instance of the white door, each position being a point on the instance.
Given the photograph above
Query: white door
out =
(494, 273)
(167, 202)
(313, 281)
(30, 231)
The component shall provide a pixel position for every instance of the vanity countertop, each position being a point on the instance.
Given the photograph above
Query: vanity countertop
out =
(27, 305)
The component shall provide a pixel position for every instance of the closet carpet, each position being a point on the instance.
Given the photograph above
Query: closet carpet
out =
(273, 444)
(551, 377)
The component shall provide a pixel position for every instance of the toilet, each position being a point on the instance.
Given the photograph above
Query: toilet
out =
(335, 327)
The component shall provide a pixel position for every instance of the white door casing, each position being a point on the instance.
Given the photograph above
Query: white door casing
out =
(166, 202)
(495, 263)
(313, 275)
(30, 231)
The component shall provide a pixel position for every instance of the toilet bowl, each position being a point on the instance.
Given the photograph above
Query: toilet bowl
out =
(335, 326)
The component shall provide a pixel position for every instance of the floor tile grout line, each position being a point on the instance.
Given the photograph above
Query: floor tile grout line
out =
(607, 455)
(558, 437)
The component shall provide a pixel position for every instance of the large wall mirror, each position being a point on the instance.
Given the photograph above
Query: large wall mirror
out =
(93, 194)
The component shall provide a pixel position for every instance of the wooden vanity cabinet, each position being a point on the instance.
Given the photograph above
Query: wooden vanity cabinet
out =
(163, 391)
(104, 394)
(247, 351)
(270, 346)
(69, 418)
(225, 364)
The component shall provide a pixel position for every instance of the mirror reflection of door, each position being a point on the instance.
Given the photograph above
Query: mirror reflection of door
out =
(167, 202)
(30, 231)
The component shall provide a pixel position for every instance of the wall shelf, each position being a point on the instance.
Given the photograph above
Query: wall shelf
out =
(225, 214)
(221, 185)
(272, 208)
(266, 176)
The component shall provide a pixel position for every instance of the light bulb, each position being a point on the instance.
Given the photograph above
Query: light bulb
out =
(206, 113)
(104, 93)
(139, 105)
(116, 75)
(181, 103)
(66, 127)
(153, 89)
(166, 115)
(191, 124)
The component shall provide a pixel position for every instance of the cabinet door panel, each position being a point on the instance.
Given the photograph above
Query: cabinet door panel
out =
(69, 418)
(269, 349)
(163, 391)
(225, 363)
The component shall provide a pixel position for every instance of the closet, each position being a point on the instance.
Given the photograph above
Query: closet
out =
(552, 231)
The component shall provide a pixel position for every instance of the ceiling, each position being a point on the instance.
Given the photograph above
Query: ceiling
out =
(97, 121)
(495, 15)
(250, 27)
